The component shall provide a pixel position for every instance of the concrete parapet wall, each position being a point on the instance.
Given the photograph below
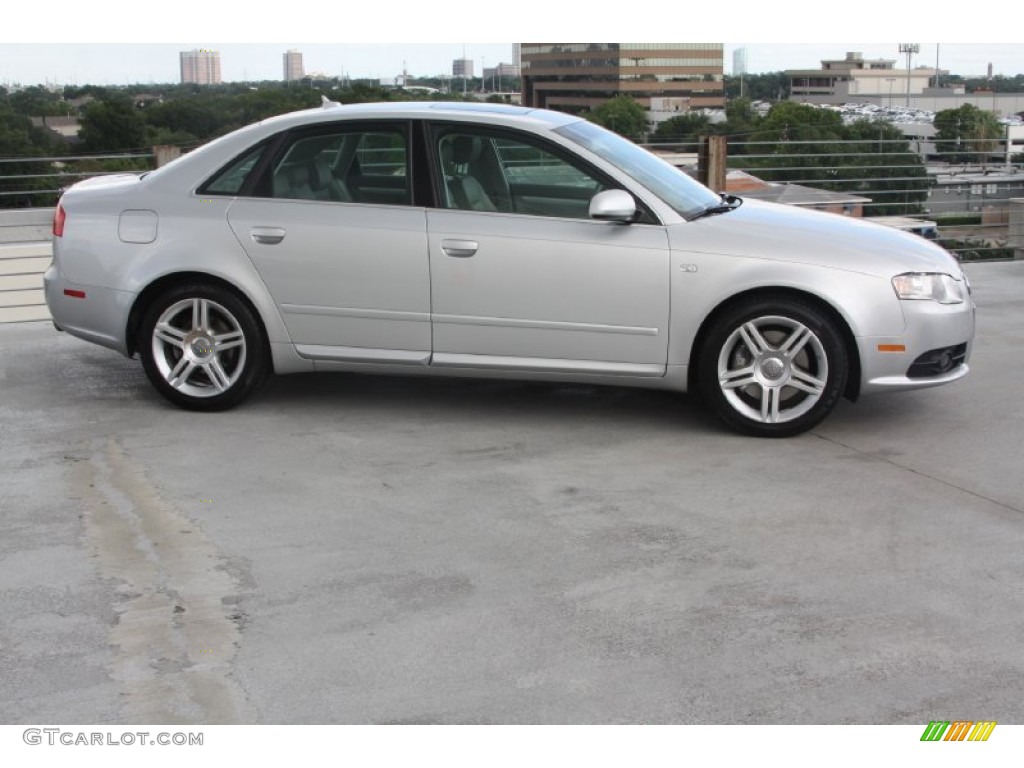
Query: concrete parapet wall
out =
(25, 225)
(21, 281)
(1015, 235)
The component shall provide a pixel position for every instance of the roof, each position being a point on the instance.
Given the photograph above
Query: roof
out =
(743, 182)
(512, 114)
(945, 177)
(796, 194)
(190, 168)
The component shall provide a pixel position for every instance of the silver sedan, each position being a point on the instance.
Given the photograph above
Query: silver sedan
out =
(494, 241)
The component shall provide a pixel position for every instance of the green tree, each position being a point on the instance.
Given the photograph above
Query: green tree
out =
(687, 127)
(769, 86)
(797, 143)
(622, 115)
(19, 141)
(806, 145)
(966, 134)
(741, 120)
(112, 125)
(194, 115)
(881, 164)
(36, 101)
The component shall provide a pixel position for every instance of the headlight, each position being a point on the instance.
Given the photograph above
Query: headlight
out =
(931, 286)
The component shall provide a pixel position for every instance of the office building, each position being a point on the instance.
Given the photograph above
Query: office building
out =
(500, 77)
(739, 62)
(856, 79)
(200, 66)
(462, 68)
(576, 77)
(293, 69)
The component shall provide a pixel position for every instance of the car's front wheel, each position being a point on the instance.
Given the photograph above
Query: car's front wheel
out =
(774, 367)
(202, 347)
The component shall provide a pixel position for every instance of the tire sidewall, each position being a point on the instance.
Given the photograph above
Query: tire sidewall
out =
(817, 320)
(254, 369)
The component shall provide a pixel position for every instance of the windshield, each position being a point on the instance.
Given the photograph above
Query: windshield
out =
(686, 196)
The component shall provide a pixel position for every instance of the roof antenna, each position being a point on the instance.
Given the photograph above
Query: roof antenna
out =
(326, 103)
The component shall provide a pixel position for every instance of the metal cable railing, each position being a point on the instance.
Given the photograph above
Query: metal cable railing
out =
(889, 177)
(881, 176)
(46, 177)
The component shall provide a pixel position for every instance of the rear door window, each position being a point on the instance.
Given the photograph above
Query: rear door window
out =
(344, 165)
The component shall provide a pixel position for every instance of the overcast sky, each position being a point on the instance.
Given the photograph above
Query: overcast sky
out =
(140, 42)
(123, 63)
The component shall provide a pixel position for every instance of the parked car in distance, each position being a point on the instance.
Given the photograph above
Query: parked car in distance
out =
(494, 241)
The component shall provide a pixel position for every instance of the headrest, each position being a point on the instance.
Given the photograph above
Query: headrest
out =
(466, 149)
(298, 175)
(319, 173)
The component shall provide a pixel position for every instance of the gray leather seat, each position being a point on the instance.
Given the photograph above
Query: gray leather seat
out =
(292, 181)
(464, 189)
(324, 184)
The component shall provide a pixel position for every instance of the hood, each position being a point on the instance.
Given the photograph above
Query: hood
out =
(786, 233)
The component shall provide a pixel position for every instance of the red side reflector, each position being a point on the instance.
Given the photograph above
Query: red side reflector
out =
(74, 294)
(58, 221)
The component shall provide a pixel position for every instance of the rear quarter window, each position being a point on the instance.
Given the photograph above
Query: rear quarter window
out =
(230, 179)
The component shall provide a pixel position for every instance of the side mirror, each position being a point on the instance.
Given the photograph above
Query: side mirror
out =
(613, 205)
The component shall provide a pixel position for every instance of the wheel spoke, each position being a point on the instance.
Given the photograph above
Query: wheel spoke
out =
(796, 341)
(217, 375)
(773, 371)
(753, 339)
(228, 340)
(204, 314)
(770, 397)
(170, 335)
(178, 376)
(804, 381)
(200, 349)
(741, 377)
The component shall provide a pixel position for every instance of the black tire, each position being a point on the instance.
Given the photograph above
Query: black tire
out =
(772, 367)
(202, 347)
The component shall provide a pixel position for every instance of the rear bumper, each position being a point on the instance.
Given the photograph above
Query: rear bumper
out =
(89, 312)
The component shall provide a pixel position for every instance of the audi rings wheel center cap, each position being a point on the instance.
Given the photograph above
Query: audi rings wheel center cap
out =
(773, 368)
(200, 347)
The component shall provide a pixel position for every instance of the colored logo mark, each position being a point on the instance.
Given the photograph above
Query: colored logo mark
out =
(958, 730)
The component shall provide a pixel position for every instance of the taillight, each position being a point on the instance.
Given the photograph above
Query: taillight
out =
(58, 221)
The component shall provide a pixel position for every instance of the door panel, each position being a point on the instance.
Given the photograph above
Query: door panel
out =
(343, 275)
(549, 289)
(338, 243)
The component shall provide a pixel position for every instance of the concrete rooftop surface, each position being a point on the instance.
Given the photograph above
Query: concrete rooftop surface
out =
(352, 549)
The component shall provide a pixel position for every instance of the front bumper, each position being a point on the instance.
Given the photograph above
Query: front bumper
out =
(932, 331)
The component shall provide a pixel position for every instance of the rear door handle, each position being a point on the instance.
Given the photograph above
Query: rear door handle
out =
(267, 235)
(459, 248)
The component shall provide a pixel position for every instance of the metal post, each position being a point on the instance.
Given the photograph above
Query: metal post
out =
(910, 49)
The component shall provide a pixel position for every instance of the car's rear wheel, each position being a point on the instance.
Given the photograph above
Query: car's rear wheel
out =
(202, 347)
(774, 367)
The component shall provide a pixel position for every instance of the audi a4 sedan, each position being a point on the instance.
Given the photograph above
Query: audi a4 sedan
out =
(494, 241)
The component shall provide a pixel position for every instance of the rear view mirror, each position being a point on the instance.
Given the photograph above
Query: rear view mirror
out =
(613, 205)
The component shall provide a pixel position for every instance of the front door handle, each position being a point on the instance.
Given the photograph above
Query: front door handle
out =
(459, 248)
(267, 235)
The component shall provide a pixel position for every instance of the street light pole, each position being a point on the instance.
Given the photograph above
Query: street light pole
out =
(910, 49)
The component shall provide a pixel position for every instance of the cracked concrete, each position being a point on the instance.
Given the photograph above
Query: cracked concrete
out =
(173, 639)
(348, 549)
